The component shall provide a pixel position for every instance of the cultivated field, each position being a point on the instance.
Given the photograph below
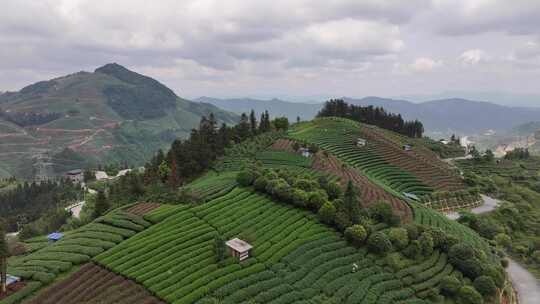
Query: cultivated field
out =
(295, 259)
(95, 284)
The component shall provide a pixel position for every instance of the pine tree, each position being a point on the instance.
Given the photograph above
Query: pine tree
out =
(101, 205)
(352, 206)
(253, 122)
(4, 253)
(243, 128)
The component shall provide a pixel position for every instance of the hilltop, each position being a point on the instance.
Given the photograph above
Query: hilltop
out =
(331, 218)
(442, 117)
(110, 115)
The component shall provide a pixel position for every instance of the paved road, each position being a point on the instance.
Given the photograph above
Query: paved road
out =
(525, 283)
(489, 205)
(527, 286)
(449, 160)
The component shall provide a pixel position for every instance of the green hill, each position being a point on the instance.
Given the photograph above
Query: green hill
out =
(110, 115)
(376, 246)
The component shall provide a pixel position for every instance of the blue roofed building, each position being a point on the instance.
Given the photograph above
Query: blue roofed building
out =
(11, 279)
(55, 236)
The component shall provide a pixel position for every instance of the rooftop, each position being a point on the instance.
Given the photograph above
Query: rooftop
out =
(11, 279)
(238, 245)
(73, 172)
(55, 236)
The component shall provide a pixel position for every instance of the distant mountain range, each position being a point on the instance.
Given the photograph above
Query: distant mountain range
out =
(445, 116)
(110, 115)
(276, 107)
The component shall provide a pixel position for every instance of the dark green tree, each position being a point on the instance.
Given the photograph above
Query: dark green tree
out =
(243, 129)
(281, 123)
(351, 204)
(253, 122)
(485, 286)
(4, 254)
(101, 205)
(356, 235)
(327, 213)
(379, 243)
(469, 295)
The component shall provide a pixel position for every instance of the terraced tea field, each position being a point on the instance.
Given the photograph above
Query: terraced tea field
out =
(95, 284)
(49, 261)
(272, 158)
(339, 137)
(295, 259)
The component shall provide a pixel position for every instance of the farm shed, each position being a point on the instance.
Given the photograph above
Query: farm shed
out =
(304, 152)
(55, 236)
(239, 248)
(75, 176)
(10, 279)
(407, 147)
(360, 142)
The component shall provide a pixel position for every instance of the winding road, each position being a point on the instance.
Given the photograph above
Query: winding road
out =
(525, 283)
(489, 205)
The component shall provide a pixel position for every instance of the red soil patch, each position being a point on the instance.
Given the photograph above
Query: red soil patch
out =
(95, 284)
(143, 208)
(370, 193)
(422, 163)
(11, 289)
(283, 144)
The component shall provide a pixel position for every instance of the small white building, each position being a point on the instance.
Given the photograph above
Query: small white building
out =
(238, 248)
(75, 176)
(304, 152)
(407, 147)
(10, 279)
(360, 142)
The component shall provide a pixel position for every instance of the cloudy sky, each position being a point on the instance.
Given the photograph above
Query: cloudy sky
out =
(283, 47)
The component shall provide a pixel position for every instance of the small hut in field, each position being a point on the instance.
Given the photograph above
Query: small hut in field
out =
(238, 248)
(304, 152)
(407, 147)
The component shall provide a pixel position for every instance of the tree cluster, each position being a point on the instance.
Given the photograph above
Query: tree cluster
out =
(374, 116)
(25, 119)
(334, 207)
(518, 154)
(28, 201)
(191, 157)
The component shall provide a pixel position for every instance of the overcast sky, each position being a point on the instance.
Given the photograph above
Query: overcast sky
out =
(225, 48)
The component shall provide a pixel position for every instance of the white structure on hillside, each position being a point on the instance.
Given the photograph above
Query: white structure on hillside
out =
(304, 152)
(75, 176)
(238, 248)
(360, 142)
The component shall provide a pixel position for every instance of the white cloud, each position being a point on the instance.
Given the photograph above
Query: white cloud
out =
(464, 17)
(424, 64)
(200, 45)
(474, 56)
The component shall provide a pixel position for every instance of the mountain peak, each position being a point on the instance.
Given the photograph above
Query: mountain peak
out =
(111, 68)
